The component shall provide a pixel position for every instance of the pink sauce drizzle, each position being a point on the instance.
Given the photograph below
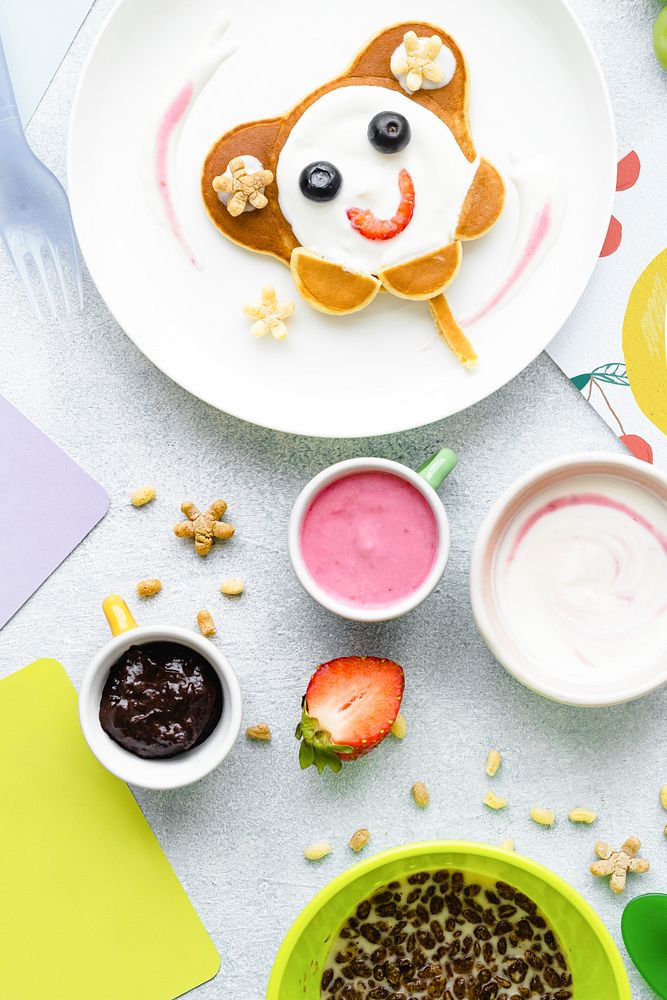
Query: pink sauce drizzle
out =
(589, 499)
(537, 237)
(168, 123)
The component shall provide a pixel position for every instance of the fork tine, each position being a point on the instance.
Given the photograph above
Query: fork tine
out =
(40, 264)
(76, 271)
(71, 251)
(22, 271)
(57, 264)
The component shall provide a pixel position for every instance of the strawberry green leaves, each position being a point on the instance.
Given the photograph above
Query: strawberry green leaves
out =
(316, 747)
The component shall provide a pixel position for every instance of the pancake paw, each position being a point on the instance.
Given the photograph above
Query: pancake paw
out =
(330, 287)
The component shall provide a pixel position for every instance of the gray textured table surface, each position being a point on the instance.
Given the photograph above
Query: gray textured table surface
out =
(235, 839)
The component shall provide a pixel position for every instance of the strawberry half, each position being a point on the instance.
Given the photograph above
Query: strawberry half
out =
(368, 225)
(349, 707)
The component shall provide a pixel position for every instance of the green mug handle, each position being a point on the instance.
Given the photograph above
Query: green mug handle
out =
(436, 468)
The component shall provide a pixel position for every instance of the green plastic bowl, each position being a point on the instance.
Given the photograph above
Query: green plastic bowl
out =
(597, 968)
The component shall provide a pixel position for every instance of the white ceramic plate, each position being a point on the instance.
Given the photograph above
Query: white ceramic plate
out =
(536, 87)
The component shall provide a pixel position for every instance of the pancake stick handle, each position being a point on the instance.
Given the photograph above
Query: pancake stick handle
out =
(452, 334)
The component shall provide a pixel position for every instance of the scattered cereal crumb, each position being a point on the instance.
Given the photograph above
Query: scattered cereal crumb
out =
(149, 588)
(400, 727)
(359, 839)
(142, 496)
(665, 831)
(204, 528)
(315, 852)
(507, 845)
(270, 316)
(206, 623)
(493, 762)
(619, 863)
(494, 801)
(663, 796)
(582, 816)
(419, 793)
(260, 733)
(543, 817)
(232, 586)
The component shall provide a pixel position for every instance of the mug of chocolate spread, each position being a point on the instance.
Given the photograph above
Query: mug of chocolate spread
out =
(160, 706)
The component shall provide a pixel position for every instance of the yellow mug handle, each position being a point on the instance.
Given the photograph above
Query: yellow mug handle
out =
(118, 614)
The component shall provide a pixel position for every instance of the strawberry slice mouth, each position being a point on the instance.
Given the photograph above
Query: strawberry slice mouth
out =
(368, 225)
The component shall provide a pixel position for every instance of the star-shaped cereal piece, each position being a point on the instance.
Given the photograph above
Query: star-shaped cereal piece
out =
(242, 187)
(270, 316)
(418, 63)
(619, 863)
(204, 528)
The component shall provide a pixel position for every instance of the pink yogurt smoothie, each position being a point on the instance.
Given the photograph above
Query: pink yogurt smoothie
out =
(369, 539)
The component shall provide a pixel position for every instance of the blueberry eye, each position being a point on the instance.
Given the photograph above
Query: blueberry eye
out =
(320, 181)
(389, 132)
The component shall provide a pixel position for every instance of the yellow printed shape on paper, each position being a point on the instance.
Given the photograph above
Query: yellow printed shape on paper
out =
(644, 341)
(91, 907)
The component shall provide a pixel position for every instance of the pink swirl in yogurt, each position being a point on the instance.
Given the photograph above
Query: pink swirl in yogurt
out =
(577, 500)
(581, 578)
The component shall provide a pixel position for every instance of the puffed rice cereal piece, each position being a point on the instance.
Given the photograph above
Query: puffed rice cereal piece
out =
(663, 796)
(582, 816)
(419, 793)
(418, 60)
(206, 623)
(149, 588)
(260, 733)
(543, 817)
(359, 839)
(242, 187)
(204, 527)
(142, 496)
(493, 762)
(270, 316)
(400, 727)
(507, 844)
(315, 852)
(619, 863)
(494, 801)
(232, 586)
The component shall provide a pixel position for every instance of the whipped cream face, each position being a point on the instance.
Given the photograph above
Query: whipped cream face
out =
(334, 129)
(580, 578)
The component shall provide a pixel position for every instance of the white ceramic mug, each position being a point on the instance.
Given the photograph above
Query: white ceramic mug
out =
(426, 480)
(162, 773)
(589, 688)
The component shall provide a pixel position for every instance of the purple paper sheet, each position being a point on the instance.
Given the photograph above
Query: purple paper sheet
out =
(48, 504)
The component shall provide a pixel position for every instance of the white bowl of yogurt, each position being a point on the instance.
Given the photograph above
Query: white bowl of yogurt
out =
(369, 538)
(568, 579)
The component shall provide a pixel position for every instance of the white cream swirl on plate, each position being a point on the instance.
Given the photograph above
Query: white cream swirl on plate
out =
(581, 577)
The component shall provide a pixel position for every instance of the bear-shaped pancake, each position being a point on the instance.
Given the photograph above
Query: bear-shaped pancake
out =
(370, 183)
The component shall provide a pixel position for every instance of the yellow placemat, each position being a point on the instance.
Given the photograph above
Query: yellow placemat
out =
(90, 908)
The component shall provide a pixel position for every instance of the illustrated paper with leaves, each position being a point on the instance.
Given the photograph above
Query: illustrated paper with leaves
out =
(613, 347)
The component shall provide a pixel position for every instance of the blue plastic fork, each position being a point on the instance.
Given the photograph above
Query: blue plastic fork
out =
(35, 219)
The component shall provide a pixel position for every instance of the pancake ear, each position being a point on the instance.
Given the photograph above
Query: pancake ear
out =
(450, 102)
(264, 230)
